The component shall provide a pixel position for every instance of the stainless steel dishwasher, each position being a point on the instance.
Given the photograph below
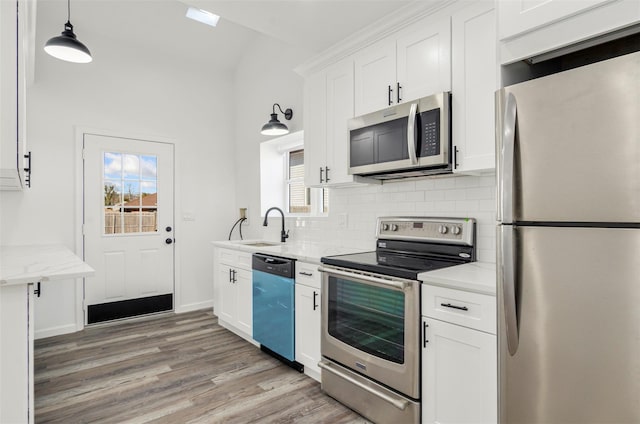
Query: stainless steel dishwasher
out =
(274, 307)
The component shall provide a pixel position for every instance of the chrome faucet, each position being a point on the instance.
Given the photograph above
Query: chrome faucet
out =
(283, 234)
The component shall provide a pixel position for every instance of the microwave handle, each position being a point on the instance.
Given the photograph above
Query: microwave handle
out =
(412, 140)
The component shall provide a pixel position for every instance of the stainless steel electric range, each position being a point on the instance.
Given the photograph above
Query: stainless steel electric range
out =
(371, 313)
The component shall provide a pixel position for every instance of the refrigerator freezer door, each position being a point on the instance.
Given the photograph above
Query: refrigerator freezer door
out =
(578, 310)
(577, 145)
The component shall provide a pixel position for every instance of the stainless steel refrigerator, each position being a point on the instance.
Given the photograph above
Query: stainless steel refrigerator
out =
(569, 246)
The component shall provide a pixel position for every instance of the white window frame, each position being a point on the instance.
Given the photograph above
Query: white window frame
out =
(274, 176)
(315, 194)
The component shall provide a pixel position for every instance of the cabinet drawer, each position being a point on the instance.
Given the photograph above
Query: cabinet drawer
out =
(473, 310)
(235, 258)
(308, 274)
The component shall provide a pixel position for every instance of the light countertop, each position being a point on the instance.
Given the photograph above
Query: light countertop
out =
(39, 263)
(301, 251)
(478, 277)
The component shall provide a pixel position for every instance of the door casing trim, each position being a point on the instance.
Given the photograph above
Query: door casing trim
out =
(80, 131)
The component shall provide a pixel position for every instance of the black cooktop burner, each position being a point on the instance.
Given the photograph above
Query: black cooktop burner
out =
(401, 265)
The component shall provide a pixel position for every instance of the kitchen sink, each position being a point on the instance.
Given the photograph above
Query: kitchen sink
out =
(260, 243)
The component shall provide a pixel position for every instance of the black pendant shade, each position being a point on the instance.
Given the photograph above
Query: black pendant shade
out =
(66, 46)
(274, 126)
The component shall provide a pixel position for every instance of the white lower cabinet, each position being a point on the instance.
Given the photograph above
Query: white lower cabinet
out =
(459, 374)
(16, 354)
(459, 357)
(308, 320)
(233, 291)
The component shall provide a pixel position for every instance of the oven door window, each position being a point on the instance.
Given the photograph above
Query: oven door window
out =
(367, 317)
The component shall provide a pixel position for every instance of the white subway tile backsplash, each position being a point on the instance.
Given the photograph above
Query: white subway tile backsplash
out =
(451, 196)
(445, 183)
(467, 206)
(455, 194)
(425, 184)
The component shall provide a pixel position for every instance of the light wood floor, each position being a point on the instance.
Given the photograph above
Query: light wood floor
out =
(172, 369)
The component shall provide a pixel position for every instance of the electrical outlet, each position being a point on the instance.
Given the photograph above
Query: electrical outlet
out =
(244, 213)
(342, 220)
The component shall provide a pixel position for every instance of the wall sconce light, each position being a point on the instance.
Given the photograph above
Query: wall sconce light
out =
(275, 127)
(66, 46)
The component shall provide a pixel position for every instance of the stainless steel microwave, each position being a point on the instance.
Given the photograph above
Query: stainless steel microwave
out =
(407, 140)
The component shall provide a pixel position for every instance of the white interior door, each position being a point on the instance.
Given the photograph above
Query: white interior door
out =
(128, 226)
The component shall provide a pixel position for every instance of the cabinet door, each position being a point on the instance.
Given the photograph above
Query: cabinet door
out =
(244, 295)
(315, 127)
(374, 76)
(424, 58)
(459, 374)
(308, 326)
(9, 177)
(15, 353)
(228, 304)
(474, 81)
(339, 111)
(519, 16)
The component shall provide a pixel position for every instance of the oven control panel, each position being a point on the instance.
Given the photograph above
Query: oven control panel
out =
(445, 230)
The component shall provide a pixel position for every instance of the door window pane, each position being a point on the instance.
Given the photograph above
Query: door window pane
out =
(130, 193)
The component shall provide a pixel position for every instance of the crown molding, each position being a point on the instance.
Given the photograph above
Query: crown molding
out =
(372, 33)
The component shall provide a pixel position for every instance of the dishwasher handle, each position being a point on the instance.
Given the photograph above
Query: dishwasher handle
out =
(275, 265)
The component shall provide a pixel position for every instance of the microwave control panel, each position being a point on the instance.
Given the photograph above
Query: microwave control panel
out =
(430, 128)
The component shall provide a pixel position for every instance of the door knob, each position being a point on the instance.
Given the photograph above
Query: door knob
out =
(168, 229)
(169, 241)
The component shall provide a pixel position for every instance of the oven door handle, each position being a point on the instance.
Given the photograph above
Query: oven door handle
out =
(398, 403)
(398, 284)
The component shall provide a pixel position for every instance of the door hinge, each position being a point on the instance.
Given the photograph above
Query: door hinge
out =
(84, 154)
(83, 230)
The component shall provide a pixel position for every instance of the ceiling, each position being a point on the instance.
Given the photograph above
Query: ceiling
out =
(160, 26)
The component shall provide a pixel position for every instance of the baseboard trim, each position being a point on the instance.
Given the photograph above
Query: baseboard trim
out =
(55, 331)
(194, 307)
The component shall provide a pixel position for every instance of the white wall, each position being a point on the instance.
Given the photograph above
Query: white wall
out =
(142, 95)
(265, 76)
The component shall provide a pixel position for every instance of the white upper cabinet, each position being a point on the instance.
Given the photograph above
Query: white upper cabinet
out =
(375, 77)
(411, 64)
(424, 59)
(339, 111)
(315, 128)
(519, 16)
(529, 28)
(328, 106)
(17, 29)
(474, 81)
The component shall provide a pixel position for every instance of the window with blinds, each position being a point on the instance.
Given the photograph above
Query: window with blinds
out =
(299, 195)
(300, 198)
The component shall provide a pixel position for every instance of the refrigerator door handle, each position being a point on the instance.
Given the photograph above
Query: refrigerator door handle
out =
(508, 274)
(507, 159)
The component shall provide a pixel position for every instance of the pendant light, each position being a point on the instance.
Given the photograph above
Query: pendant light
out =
(66, 46)
(275, 127)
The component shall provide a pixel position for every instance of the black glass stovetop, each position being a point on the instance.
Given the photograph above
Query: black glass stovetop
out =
(401, 265)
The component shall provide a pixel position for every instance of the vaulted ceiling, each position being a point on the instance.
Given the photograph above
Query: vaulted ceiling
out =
(160, 26)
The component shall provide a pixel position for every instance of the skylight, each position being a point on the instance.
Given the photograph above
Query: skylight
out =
(203, 16)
